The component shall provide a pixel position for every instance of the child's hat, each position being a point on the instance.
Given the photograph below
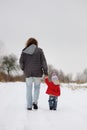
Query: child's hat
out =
(54, 78)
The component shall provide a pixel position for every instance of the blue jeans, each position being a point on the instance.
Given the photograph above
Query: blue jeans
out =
(53, 102)
(32, 95)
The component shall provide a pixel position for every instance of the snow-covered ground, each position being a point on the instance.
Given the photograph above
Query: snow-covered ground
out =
(70, 115)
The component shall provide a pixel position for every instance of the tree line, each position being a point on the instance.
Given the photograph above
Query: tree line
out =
(10, 71)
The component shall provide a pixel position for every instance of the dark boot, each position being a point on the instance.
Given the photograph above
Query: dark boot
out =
(35, 106)
(29, 108)
(51, 108)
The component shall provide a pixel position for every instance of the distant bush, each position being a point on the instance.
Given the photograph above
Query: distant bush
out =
(17, 78)
(4, 78)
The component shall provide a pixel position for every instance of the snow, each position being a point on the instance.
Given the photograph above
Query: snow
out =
(70, 115)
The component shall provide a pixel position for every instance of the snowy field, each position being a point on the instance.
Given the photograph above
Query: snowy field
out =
(70, 115)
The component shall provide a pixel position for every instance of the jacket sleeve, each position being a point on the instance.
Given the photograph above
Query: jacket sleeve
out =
(44, 63)
(21, 62)
(47, 81)
(59, 91)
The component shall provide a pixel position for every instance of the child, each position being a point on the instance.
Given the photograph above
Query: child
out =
(53, 91)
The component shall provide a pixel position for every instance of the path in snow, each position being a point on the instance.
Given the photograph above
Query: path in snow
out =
(71, 113)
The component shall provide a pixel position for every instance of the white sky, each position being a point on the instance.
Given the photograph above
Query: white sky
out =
(60, 26)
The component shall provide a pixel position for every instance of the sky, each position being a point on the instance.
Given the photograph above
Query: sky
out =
(71, 113)
(60, 26)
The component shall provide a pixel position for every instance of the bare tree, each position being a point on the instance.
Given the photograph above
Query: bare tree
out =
(78, 78)
(85, 75)
(8, 64)
(61, 76)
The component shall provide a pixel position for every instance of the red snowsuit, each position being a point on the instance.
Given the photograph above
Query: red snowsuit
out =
(52, 88)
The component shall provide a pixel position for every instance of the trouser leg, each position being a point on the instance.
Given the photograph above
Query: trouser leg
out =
(37, 82)
(29, 86)
(53, 102)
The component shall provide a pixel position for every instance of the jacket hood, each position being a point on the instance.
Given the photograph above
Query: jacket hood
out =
(30, 50)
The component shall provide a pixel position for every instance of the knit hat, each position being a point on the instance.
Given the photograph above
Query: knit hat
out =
(55, 79)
